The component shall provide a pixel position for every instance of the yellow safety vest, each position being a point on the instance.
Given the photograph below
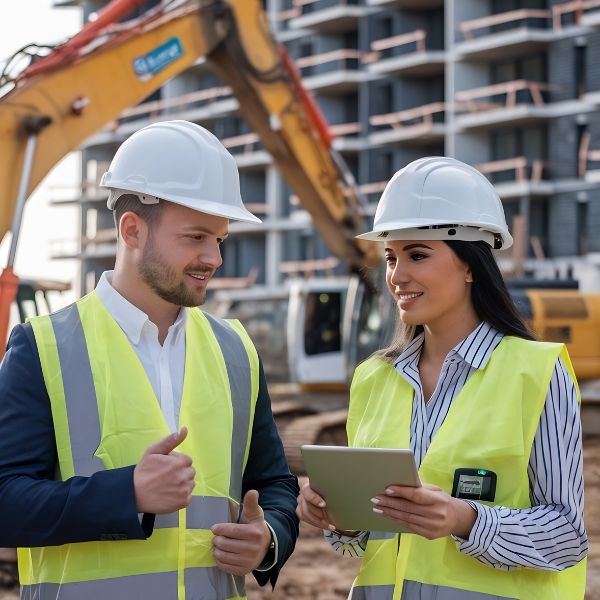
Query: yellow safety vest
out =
(106, 414)
(491, 425)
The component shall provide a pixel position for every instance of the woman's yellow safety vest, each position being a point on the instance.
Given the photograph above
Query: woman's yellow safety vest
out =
(106, 414)
(491, 425)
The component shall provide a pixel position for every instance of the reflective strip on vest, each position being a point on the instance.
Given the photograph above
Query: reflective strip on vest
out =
(80, 393)
(199, 580)
(413, 589)
(372, 592)
(202, 513)
(238, 372)
(381, 535)
(422, 591)
(200, 583)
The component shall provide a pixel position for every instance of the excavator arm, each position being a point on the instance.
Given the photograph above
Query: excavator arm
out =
(108, 67)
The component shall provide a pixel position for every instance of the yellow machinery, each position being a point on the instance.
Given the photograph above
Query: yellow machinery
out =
(63, 98)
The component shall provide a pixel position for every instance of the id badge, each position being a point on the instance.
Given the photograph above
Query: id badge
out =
(474, 484)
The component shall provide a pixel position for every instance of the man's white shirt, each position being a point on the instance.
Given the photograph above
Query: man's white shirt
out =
(164, 365)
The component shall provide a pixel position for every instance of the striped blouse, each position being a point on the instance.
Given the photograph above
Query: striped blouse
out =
(549, 535)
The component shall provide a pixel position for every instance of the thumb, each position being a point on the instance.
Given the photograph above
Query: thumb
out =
(167, 444)
(252, 510)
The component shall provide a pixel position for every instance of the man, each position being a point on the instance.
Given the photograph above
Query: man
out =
(138, 453)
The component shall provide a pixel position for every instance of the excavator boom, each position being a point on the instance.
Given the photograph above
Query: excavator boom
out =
(86, 84)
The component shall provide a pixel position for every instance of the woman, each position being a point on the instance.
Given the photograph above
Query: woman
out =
(477, 400)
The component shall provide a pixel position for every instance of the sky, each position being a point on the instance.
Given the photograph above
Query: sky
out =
(22, 22)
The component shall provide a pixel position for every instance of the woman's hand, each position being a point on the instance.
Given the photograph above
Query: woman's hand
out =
(426, 511)
(312, 509)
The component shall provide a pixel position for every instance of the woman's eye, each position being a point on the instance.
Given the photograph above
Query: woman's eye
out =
(417, 256)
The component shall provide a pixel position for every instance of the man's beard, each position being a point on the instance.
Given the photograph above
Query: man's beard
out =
(163, 279)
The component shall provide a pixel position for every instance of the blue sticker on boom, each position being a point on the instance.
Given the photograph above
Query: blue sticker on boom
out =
(159, 58)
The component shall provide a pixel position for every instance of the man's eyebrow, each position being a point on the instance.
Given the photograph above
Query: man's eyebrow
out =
(196, 229)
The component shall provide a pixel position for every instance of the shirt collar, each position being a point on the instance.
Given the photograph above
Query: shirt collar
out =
(129, 317)
(476, 349)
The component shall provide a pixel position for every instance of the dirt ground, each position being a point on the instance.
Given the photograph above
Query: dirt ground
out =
(315, 572)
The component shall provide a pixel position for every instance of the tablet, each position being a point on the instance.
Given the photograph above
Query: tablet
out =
(347, 478)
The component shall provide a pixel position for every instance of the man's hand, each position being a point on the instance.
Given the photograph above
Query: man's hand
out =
(426, 511)
(164, 479)
(240, 547)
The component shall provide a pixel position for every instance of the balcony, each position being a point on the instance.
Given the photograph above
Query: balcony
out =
(336, 71)
(410, 4)
(201, 105)
(405, 54)
(88, 192)
(347, 137)
(247, 151)
(514, 102)
(584, 13)
(328, 16)
(589, 160)
(517, 32)
(372, 192)
(518, 176)
(420, 125)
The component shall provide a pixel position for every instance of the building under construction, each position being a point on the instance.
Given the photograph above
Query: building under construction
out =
(511, 86)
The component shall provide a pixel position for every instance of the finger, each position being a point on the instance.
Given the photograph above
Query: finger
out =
(386, 502)
(418, 495)
(314, 516)
(409, 519)
(251, 509)
(232, 545)
(234, 531)
(169, 443)
(183, 459)
(231, 564)
(311, 496)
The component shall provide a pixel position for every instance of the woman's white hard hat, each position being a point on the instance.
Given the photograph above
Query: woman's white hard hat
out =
(179, 162)
(440, 198)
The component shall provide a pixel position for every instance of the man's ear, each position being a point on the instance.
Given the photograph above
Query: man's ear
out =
(133, 230)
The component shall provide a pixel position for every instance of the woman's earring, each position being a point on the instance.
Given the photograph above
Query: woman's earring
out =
(469, 279)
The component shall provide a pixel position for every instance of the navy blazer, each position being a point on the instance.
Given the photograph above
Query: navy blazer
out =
(37, 510)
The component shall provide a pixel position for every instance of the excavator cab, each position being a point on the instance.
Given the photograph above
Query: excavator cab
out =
(333, 324)
(33, 297)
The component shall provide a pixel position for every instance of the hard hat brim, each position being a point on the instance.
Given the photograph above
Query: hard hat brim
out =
(233, 213)
(443, 232)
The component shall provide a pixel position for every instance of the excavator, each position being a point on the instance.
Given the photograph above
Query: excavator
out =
(50, 108)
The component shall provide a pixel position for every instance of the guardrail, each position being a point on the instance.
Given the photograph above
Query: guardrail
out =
(577, 7)
(378, 47)
(521, 166)
(205, 96)
(468, 98)
(586, 155)
(467, 28)
(406, 118)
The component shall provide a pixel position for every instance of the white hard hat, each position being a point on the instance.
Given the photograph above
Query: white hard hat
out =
(440, 198)
(180, 162)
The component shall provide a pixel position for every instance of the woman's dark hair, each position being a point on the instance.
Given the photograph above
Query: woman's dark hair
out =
(489, 294)
(491, 299)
